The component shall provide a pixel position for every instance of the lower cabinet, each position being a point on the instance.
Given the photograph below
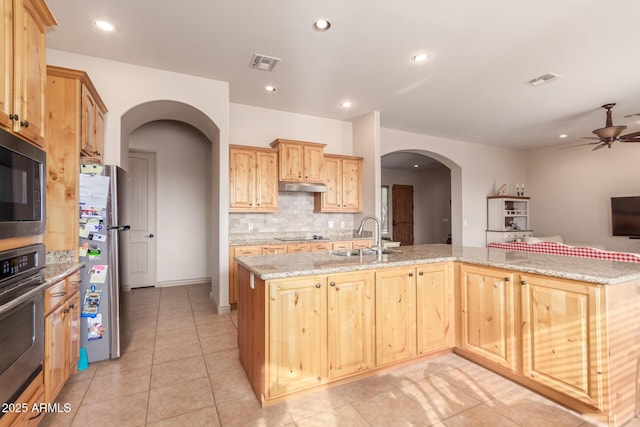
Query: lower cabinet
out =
(62, 334)
(435, 302)
(32, 397)
(395, 315)
(487, 314)
(350, 332)
(561, 338)
(297, 334)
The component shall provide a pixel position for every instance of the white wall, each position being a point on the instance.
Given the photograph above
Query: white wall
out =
(258, 127)
(183, 199)
(476, 172)
(431, 196)
(123, 87)
(570, 192)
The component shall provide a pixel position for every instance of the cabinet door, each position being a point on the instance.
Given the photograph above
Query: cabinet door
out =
(320, 247)
(99, 134)
(313, 163)
(6, 64)
(350, 332)
(297, 334)
(31, 71)
(561, 336)
(87, 131)
(274, 249)
(55, 365)
(241, 179)
(233, 268)
(294, 248)
(291, 162)
(266, 181)
(488, 322)
(435, 308)
(395, 315)
(73, 332)
(331, 199)
(352, 185)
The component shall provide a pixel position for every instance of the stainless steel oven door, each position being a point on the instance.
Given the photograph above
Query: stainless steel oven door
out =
(21, 335)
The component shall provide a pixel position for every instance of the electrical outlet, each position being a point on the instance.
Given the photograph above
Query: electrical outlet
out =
(341, 224)
(250, 226)
(330, 224)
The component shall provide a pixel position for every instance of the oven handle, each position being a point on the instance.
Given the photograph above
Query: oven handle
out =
(25, 296)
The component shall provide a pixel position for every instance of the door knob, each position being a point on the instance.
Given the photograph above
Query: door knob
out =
(150, 236)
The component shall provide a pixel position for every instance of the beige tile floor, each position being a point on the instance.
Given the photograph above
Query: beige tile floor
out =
(181, 368)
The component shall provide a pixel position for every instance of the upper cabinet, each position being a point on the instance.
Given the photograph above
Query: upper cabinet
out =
(342, 176)
(93, 111)
(300, 161)
(23, 67)
(253, 183)
(70, 124)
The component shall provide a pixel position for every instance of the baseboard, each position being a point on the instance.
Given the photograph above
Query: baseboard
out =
(169, 283)
(220, 309)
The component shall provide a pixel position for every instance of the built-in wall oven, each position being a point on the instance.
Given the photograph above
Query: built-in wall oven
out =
(21, 319)
(22, 187)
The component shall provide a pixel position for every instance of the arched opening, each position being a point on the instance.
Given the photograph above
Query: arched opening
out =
(434, 183)
(181, 140)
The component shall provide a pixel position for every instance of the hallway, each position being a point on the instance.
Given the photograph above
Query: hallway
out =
(181, 368)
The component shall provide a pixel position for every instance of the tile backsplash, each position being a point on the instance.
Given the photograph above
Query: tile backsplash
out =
(295, 216)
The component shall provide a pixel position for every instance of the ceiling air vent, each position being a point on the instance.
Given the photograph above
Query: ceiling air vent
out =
(264, 62)
(546, 78)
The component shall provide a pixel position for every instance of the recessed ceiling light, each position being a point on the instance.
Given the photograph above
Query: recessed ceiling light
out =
(270, 88)
(346, 104)
(415, 166)
(564, 135)
(420, 57)
(104, 26)
(321, 24)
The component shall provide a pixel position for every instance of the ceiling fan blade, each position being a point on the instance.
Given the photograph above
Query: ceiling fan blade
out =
(630, 140)
(604, 144)
(630, 136)
(579, 145)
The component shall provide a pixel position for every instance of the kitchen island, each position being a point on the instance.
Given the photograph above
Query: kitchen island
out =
(565, 327)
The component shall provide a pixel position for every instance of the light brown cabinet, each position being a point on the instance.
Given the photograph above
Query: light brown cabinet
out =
(297, 334)
(350, 320)
(68, 129)
(395, 315)
(488, 306)
(299, 161)
(92, 123)
(62, 334)
(561, 336)
(435, 302)
(30, 398)
(253, 183)
(342, 176)
(23, 67)
(235, 251)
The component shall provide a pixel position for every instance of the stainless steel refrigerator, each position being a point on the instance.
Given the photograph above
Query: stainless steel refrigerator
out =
(103, 242)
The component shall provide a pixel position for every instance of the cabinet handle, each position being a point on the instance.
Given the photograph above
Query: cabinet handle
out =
(421, 273)
(332, 284)
(410, 274)
(317, 285)
(507, 279)
(523, 282)
(59, 294)
(13, 117)
(24, 124)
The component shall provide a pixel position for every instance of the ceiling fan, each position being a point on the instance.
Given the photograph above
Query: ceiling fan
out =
(609, 134)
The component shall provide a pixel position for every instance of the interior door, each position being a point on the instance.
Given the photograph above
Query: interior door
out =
(402, 207)
(142, 207)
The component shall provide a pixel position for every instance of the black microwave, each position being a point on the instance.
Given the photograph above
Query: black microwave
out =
(22, 187)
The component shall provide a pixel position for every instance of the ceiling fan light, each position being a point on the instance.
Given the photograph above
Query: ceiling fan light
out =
(609, 132)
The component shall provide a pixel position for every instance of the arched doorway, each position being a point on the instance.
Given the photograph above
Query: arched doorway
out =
(434, 182)
(182, 138)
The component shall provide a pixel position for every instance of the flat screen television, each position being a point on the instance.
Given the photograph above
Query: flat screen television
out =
(625, 216)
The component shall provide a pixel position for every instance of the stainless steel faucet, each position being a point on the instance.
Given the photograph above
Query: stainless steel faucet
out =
(377, 246)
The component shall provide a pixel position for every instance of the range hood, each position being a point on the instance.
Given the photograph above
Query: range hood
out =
(308, 187)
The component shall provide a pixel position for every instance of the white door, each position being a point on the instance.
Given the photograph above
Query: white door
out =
(142, 208)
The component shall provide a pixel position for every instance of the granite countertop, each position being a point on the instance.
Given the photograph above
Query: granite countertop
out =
(298, 237)
(53, 273)
(605, 272)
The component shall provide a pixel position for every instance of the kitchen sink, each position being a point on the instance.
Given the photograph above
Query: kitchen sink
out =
(357, 252)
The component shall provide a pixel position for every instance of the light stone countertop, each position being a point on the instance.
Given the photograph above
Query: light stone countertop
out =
(605, 272)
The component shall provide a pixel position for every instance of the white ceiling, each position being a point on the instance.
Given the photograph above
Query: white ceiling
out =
(471, 89)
